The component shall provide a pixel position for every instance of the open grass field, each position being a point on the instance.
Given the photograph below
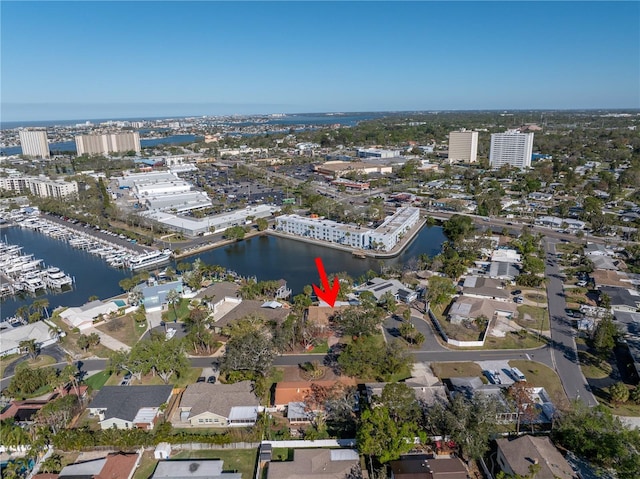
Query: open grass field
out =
(456, 370)
(240, 460)
(539, 316)
(540, 375)
(592, 367)
(124, 329)
(513, 341)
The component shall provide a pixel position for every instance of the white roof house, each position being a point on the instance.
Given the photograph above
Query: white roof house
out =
(10, 338)
(82, 317)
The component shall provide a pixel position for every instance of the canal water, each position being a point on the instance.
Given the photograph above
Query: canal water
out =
(265, 257)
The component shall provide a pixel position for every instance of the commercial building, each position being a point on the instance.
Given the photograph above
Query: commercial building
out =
(200, 226)
(383, 238)
(463, 146)
(377, 153)
(511, 148)
(39, 186)
(34, 143)
(336, 169)
(108, 143)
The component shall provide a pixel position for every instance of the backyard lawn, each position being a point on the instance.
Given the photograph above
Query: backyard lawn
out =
(146, 467)
(240, 460)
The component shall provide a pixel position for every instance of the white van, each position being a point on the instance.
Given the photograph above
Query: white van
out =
(517, 374)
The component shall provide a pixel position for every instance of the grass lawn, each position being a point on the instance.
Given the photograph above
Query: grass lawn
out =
(626, 409)
(460, 332)
(569, 248)
(146, 467)
(456, 370)
(240, 460)
(540, 375)
(150, 380)
(98, 380)
(321, 347)
(182, 310)
(537, 315)
(513, 341)
(592, 367)
(282, 454)
(41, 361)
(4, 362)
(124, 329)
(70, 342)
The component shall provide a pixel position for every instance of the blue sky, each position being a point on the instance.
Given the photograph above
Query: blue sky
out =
(74, 60)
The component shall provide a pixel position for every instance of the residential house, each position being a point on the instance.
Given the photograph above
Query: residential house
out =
(82, 317)
(503, 270)
(316, 463)
(466, 308)
(621, 299)
(605, 262)
(219, 405)
(42, 332)
(506, 255)
(426, 395)
(596, 249)
(630, 323)
(423, 466)
(251, 307)
(116, 465)
(23, 411)
(517, 456)
(128, 407)
(483, 287)
(287, 392)
(604, 277)
(193, 468)
(154, 295)
(379, 287)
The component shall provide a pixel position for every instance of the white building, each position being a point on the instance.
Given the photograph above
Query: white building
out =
(511, 148)
(10, 338)
(384, 237)
(108, 143)
(34, 143)
(463, 146)
(377, 153)
(39, 186)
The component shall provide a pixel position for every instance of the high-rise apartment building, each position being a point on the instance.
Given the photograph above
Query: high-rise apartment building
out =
(34, 143)
(108, 143)
(511, 148)
(463, 146)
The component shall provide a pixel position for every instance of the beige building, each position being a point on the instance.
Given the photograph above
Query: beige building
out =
(463, 146)
(338, 168)
(108, 143)
(39, 186)
(34, 143)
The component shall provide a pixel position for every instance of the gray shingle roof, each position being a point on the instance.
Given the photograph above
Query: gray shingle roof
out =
(218, 398)
(124, 402)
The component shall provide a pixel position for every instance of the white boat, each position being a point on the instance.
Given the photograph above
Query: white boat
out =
(33, 284)
(149, 260)
(56, 278)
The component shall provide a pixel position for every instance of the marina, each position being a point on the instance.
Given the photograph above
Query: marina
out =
(22, 273)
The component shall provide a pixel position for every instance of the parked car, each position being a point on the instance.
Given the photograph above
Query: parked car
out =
(516, 292)
(211, 379)
(201, 379)
(519, 299)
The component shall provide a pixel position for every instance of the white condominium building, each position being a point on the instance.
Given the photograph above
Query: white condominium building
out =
(463, 146)
(108, 143)
(42, 187)
(384, 238)
(34, 143)
(511, 148)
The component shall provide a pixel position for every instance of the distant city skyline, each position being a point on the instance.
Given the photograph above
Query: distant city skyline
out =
(74, 60)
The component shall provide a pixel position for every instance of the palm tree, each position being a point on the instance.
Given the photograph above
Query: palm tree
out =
(41, 305)
(30, 347)
(52, 464)
(23, 312)
(172, 298)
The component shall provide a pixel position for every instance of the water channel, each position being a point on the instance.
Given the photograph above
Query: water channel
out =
(265, 257)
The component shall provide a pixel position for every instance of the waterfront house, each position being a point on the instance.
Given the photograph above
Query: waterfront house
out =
(128, 407)
(40, 331)
(316, 463)
(154, 296)
(379, 287)
(517, 456)
(82, 317)
(219, 405)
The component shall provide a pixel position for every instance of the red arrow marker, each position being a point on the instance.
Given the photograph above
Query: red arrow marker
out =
(329, 294)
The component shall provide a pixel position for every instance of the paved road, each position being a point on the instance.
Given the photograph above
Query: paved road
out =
(563, 344)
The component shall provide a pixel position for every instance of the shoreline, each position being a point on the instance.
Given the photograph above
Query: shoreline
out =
(397, 249)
